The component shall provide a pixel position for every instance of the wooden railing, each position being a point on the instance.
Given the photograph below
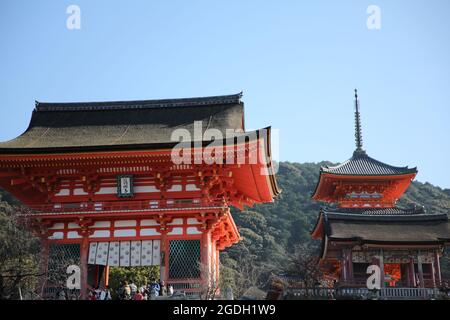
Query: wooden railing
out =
(190, 287)
(124, 205)
(361, 293)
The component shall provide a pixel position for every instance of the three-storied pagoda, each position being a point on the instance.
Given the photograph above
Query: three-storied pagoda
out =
(366, 227)
(104, 189)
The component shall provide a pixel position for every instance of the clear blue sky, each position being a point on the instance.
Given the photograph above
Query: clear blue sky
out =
(296, 62)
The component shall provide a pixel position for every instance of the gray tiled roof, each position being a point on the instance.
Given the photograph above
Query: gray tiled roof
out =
(123, 124)
(413, 228)
(375, 211)
(361, 164)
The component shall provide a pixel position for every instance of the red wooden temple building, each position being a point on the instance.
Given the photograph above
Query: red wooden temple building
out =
(363, 225)
(104, 190)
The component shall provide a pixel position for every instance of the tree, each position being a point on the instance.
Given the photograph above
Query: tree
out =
(304, 266)
(19, 255)
(139, 275)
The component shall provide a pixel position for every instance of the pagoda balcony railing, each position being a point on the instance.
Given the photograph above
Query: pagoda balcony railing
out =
(357, 289)
(428, 283)
(130, 205)
(361, 293)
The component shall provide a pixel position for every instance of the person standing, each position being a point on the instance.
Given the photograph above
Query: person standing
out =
(138, 296)
(133, 288)
(125, 291)
(162, 288)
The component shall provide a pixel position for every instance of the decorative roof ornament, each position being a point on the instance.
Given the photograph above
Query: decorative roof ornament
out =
(358, 129)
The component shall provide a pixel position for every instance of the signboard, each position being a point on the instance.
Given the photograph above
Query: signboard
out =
(125, 186)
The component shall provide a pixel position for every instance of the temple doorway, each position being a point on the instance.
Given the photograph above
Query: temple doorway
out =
(393, 274)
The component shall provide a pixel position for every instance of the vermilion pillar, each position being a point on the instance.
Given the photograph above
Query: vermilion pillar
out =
(437, 267)
(411, 276)
(381, 265)
(217, 265)
(420, 269)
(106, 276)
(84, 250)
(164, 263)
(205, 255)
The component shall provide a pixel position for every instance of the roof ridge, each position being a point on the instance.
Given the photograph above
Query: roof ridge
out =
(138, 104)
(361, 160)
(415, 210)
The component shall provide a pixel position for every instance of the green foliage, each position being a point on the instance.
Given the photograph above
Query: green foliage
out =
(19, 255)
(139, 275)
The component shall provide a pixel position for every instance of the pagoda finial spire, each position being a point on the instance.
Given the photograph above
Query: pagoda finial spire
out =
(358, 130)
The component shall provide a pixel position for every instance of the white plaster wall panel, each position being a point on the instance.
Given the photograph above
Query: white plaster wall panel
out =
(192, 221)
(192, 187)
(175, 188)
(135, 252)
(149, 222)
(113, 255)
(192, 230)
(92, 252)
(177, 221)
(100, 234)
(107, 190)
(156, 254)
(176, 231)
(149, 232)
(79, 192)
(58, 225)
(102, 253)
(57, 236)
(125, 223)
(125, 233)
(73, 235)
(124, 258)
(72, 225)
(101, 224)
(146, 252)
(63, 192)
(142, 189)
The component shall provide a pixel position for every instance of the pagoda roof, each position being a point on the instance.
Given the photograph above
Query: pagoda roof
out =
(392, 225)
(361, 164)
(123, 124)
(359, 213)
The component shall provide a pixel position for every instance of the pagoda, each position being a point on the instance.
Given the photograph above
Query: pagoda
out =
(103, 189)
(364, 226)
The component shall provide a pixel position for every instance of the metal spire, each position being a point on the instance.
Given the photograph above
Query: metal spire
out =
(358, 133)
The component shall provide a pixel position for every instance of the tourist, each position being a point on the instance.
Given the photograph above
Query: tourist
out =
(162, 288)
(125, 291)
(138, 296)
(133, 288)
(155, 288)
(92, 295)
(105, 294)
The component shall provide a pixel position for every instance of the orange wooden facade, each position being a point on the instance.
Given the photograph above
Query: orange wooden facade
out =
(73, 197)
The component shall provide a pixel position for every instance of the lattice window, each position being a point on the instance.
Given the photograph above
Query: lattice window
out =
(184, 259)
(60, 257)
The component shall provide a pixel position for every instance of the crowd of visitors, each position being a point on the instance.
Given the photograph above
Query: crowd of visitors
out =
(130, 291)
